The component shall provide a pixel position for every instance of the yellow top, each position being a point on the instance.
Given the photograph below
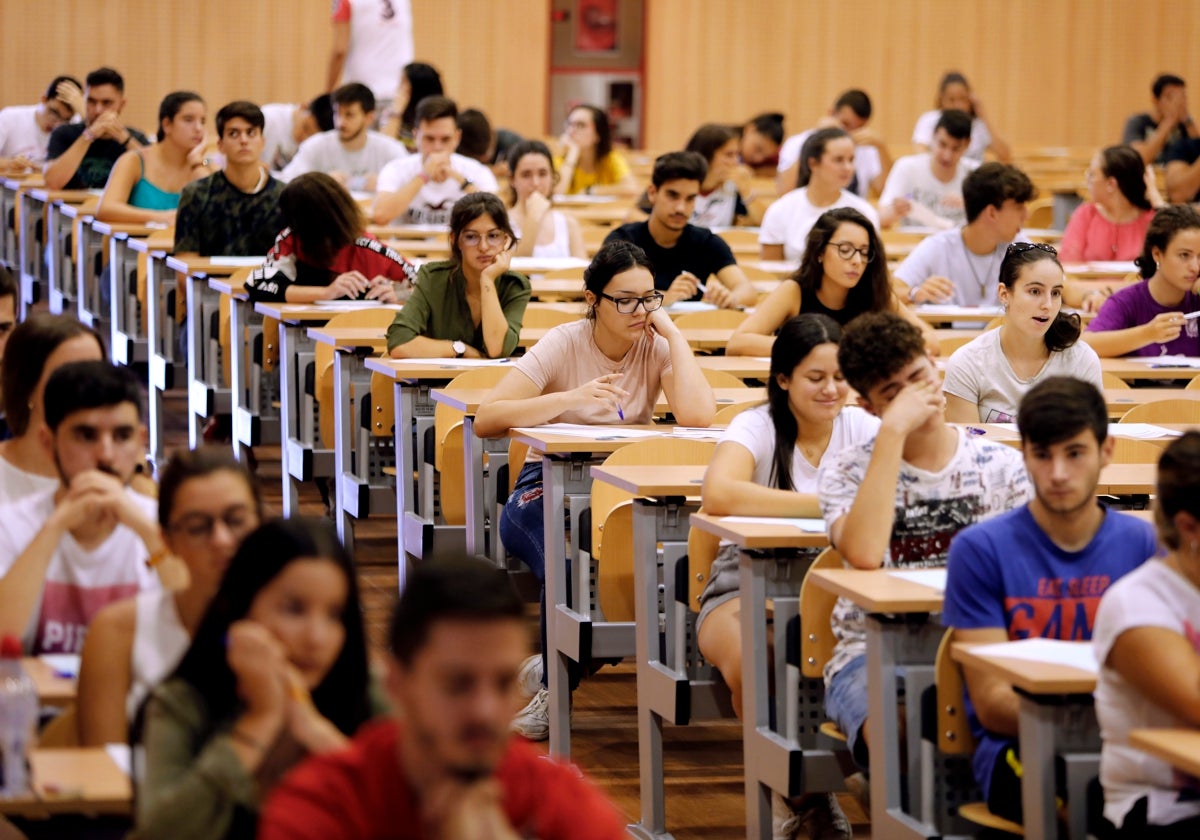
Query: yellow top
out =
(610, 169)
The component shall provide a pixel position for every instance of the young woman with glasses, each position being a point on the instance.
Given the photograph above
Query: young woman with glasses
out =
(470, 305)
(605, 369)
(843, 274)
(588, 157)
(207, 503)
(1112, 226)
(986, 377)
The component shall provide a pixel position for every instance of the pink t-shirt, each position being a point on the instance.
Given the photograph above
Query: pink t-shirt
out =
(567, 357)
(1089, 236)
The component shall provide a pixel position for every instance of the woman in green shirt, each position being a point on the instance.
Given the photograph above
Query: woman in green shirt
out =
(276, 671)
(471, 304)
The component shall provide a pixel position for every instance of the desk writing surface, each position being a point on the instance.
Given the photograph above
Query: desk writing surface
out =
(1178, 747)
(132, 228)
(558, 444)
(66, 779)
(1131, 368)
(409, 370)
(65, 196)
(295, 313)
(370, 338)
(1030, 677)
(753, 535)
(746, 367)
(653, 481)
(224, 286)
(52, 690)
(878, 591)
(1118, 479)
(210, 267)
(467, 400)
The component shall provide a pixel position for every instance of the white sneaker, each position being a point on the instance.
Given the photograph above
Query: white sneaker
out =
(533, 722)
(530, 675)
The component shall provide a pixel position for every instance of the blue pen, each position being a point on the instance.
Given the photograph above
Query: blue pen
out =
(973, 430)
(620, 412)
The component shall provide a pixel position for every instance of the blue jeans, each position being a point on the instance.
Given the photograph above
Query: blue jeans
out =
(846, 705)
(523, 531)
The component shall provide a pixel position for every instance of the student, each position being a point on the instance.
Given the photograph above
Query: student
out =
(25, 129)
(90, 540)
(235, 211)
(1183, 170)
(372, 40)
(725, 197)
(872, 160)
(541, 230)
(759, 147)
(766, 465)
(842, 275)
(588, 158)
(80, 155)
(1147, 319)
(1145, 642)
(683, 255)
(422, 188)
(926, 189)
(1036, 341)
(144, 185)
(471, 304)
(36, 348)
(961, 266)
(1112, 226)
(417, 81)
(351, 153)
(480, 142)
(444, 765)
(954, 93)
(276, 671)
(207, 504)
(324, 252)
(607, 368)
(826, 167)
(1167, 123)
(1071, 549)
(288, 125)
(896, 501)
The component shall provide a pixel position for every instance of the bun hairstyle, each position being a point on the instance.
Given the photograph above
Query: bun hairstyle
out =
(1065, 329)
(1167, 222)
(1125, 165)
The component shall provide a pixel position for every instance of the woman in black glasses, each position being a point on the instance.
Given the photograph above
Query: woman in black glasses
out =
(471, 304)
(605, 369)
(986, 377)
(843, 274)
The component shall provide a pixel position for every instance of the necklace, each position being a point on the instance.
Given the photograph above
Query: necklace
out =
(981, 283)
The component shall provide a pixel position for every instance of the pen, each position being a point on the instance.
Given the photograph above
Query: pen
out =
(620, 411)
(973, 430)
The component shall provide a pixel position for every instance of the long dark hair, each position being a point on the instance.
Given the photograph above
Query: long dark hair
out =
(873, 291)
(423, 80)
(342, 695)
(322, 215)
(1065, 329)
(603, 129)
(709, 139)
(1125, 165)
(797, 338)
(814, 149)
(469, 208)
(171, 105)
(1167, 222)
(29, 347)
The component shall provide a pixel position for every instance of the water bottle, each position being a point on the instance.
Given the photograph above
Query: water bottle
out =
(18, 718)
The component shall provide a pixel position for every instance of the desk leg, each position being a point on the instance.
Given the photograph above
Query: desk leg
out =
(473, 486)
(343, 444)
(290, 337)
(239, 388)
(756, 702)
(554, 481)
(1037, 739)
(404, 409)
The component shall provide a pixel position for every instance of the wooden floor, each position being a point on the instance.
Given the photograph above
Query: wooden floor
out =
(703, 762)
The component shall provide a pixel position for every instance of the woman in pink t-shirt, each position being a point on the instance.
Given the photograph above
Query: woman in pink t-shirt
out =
(605, 369)
(1112, 226)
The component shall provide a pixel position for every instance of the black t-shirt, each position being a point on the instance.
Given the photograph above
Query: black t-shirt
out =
(97, 162)
(1186, 150)
(698, 250)
(1139, 127)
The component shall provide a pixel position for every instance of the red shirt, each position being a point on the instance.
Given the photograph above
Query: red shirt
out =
(362, 793)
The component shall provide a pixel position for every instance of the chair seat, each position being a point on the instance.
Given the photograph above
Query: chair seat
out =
(978, 813)
(831, 730)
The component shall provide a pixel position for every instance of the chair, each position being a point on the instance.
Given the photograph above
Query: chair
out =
(740, 236)
(816, 632)
(323, 357)
(224, 338)
(612, 518)
(539, 318)
(565, 274)
(723, 379)
(1193, 385)
(62, 731)
(726, 414)
(1111, 380)
(712, 319)
(594, 236)
(1130, 451)
(448, 443)
(948, 345)
(1041, 213)
(1164, 411)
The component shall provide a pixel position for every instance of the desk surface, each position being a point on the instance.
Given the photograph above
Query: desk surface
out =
(295, 313)
(350, 338)
(72, 781)
(758, 535)
(438, 370)
(1031, 677)
(52, 689)
(1128, 368)
(878, 591)
(1178, 747)
(130, 228)
(653, 481)
(559, 444)
(467, 400)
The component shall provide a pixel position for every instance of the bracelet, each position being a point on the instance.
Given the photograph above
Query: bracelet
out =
(424, 176)
(242, 738)
(912, 294)
(87, 135)
(158, 556)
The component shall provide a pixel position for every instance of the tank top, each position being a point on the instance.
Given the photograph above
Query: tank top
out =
(149, 197)
(810, 303)
(16, 484)
(560, 246)
(159, 642)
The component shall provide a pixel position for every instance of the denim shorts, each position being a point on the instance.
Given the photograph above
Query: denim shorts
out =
(846, 705)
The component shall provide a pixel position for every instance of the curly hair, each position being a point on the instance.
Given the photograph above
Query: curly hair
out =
(876, 346)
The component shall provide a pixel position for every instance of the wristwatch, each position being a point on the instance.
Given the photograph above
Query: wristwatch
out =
(459, 349)
(464, 183)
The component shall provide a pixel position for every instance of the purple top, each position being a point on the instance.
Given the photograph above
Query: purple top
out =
(1134, 306)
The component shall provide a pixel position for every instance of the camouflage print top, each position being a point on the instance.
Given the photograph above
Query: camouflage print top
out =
(216, 219)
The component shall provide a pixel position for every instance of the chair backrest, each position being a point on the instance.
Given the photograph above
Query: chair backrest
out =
(62, 731)
(612, 520)
(383, 405)
(517, 452)
(1193, 385)
(712, 319)
(1164, 411)
(444, 417)
(953, 734)
(723, 379)
(1041, 213)
(702, 551)
(1111, 380)
(565, 274)
(594, 236)
(1130, 451)
(726, 413)
(948, 345)
(538, 318)
(740, 236)
(753, 272)
(379, 319)
(238, 278)
(816, 614)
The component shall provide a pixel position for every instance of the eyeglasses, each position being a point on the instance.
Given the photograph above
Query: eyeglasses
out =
(494, 238)
(846, 251)
(59, 116)
(197, 527)
(6, 327)
(1022, 247)
(629, 305)
(577, 124)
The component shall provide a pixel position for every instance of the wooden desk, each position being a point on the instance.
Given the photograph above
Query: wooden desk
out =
(1102, 270)
(1129, 369)
(52, 689)
(30, 204)
(1178, 747)
(76, 780)
(128, 288)
(543, 289)
(745, 367)
(1120, 400)
(60, 272)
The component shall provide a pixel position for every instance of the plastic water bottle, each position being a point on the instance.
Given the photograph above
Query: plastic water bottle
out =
(18, 718)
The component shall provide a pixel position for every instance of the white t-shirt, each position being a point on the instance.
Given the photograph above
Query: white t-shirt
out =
(867, 165)
(20, 133)
(324, 152)
(980, 373)
(912, 178)
(982, 480)
(790, 217)
(559, 246)
(279, 147)
(16, 484)
(159, 642)
(944, 253)
(718, 208)
(1153, 595)
(434, 201)
(381, 43)
(981, 138)
(79, 581)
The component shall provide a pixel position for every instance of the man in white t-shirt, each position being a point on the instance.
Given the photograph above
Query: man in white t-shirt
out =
(422, 188)
(351, 153)
(67, 552)
(872, 161)
(25, 129)
(288, 125)
(372, 41)
(926, 189)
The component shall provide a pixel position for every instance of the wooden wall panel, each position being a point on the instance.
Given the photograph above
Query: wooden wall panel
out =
(492, 55)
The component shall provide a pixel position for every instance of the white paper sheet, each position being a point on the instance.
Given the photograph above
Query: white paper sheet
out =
(1141, 431)
(119, 753)
(1167, 361)
(933, 578)
(699, 434)
(350, 305)
(690, 306)
(450, 363)
(594, 432)
(808, 526)
(952, 311)
(63, 664)
(236, 261)
(1074, 654)
(546, 263)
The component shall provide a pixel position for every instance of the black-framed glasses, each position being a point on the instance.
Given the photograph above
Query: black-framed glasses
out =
(846, 251)
(1022, 247)
(494, 238)
(238, 521)
(629, 305)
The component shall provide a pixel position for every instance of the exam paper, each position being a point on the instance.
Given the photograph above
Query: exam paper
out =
(594, 432)
(1074, 654)
(62, 664)
(933, 578)
(809, 526)
(236, 261)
